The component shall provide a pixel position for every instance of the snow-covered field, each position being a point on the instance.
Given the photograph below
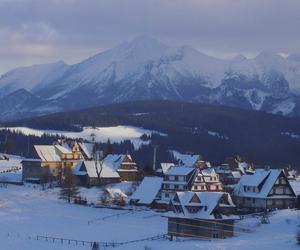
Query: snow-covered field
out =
(26, 212)
(10, 167)
(116, 134)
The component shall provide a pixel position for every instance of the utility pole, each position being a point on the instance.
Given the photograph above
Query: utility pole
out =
(6, 145)
(154, 157)
(28, 146)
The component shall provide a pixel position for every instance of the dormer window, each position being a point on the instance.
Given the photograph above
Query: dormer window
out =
(195, 199)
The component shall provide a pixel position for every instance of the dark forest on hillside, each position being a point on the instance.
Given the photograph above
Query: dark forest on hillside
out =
(215, 132)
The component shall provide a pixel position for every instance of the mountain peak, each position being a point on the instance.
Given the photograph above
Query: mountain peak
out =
(145, 42)
(145, 39)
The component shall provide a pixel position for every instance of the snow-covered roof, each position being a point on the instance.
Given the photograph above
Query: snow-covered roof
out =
(113, 161)
(208, 201)
(265, 178)
(47, 153)
(63, 150)
(255, 179)
(147, 190)
(175, 170)
(186, 159)
(164, 167)
(207, 172)
(89, 168)
(87, 148)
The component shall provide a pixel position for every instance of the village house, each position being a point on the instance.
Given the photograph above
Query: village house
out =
(146, 193)
(176, 179)
(266, 189)
(201, 215)
(52, 159)
(127, 169)
(113, 168)
(207, 180)
(86, 173)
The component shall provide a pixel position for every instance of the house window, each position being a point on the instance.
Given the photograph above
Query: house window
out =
(215, 235)
(167, 195)
(176, 178)
(196, 187)
(253, 200)
(167, 186)
(176, 186)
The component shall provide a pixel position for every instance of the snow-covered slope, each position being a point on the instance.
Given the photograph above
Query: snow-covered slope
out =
(148, 69)
(115, 134)
(31, 77)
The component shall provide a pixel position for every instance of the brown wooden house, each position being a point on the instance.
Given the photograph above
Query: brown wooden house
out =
(202, 215)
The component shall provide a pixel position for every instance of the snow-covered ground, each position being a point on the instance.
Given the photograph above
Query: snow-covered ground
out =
(10, 167)
(116, 134)
(26, 212)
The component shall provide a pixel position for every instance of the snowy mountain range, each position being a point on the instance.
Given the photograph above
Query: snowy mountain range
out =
(148, 69)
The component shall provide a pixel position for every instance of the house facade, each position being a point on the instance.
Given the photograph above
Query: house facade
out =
(264, 190)
(176, 179)
(207, 180)
(203, 215)
(128, 169)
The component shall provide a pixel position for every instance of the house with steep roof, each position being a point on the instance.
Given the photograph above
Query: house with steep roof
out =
(91, 173)
(113, 168)
(201, 214)
(176, 178)
(207, 180)
(265, 189)
(51, 160)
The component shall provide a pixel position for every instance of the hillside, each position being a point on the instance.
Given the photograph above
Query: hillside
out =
(215, 132)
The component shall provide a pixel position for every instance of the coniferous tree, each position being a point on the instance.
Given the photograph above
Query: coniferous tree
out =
(108, 149)
(69, 190)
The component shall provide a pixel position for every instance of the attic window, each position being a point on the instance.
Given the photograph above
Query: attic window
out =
(195, 198)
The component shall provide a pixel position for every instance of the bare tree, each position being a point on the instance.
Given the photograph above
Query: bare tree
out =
(98, 161)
